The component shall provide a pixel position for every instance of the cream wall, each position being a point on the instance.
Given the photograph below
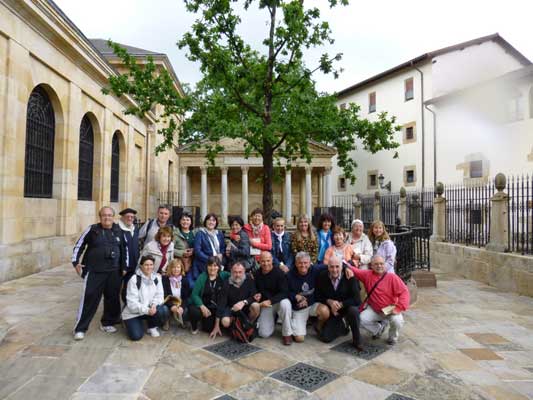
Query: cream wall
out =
(37, 47)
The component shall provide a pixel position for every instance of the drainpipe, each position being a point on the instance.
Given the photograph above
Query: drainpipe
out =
(434, 145)
(423, 127)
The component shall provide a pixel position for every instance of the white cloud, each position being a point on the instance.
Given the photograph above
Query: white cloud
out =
(372, 35)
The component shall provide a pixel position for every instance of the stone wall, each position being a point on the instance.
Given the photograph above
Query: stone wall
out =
(36, 255)
(505, 271)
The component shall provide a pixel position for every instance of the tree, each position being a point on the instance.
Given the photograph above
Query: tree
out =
(267, 98)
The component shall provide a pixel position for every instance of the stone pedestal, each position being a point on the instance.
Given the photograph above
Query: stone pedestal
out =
(402, 207)
(499, 223)
(377, 207)
(358, 209)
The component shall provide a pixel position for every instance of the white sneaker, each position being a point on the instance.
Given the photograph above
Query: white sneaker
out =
(108, 329)
(153, 332)
(195, 331)
(79, 335)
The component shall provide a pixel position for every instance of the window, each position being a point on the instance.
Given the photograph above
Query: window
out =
(410, 176)
(342, 183)
(372, 102)
(372, 180)
(409, 133)
(85, 163)
(115, 167)
(39, 153)
(476, 169)
(409, 89)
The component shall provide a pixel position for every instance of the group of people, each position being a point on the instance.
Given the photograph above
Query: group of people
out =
(206, 279)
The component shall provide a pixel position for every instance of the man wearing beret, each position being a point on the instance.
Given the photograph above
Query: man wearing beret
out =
(131, 236)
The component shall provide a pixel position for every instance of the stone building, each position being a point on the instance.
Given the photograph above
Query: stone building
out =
(66, 149)
(447, 133)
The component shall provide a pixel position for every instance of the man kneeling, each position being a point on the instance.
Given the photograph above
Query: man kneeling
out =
(339, 299)
(387, 298)
(237, 296)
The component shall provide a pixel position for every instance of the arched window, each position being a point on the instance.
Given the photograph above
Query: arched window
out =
(40, 133)
(85, 164)
(115, 167)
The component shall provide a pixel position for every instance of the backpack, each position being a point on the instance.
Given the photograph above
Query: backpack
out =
(242, 329)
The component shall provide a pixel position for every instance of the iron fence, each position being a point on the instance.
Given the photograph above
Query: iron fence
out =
(420, 207)
(367, 208)
(520, 214)
(412, 249)
(468, 213)
(389, 208)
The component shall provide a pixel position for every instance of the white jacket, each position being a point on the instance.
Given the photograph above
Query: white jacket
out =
(363, 247)
(138, 301)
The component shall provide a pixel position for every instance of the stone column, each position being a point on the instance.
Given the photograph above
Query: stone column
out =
(439, 215)
(358, 208)
(377, 206)
(327, 187)
(183, 186)
(308, 192)
(321, 186)
(499, 224)
(415, 210)
(224, 196)
(402, 206)
(203, 192)
(288, 196)
(244, 201)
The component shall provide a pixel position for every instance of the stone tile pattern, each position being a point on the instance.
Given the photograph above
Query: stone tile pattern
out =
(460, 341)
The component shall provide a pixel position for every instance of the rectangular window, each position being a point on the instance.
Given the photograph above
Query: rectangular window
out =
(372, 102)
(476, 169)
(342, 183)
(409, 89)
(410, 176)
(373, 180)
(409, 133)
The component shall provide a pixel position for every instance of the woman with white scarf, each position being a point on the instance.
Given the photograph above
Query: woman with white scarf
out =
(361, 245)
(208, 242)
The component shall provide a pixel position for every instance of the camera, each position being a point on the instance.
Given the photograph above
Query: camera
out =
(110, 254)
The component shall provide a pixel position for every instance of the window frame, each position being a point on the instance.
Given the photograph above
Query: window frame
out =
(372, 104)
(86, 160)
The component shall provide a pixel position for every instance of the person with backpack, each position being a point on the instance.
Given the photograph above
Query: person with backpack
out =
(387, 298)
(338, 300)
(145, 301)
(151, 227)
(237, 306)
(131, 237)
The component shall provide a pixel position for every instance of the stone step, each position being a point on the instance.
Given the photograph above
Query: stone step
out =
(425, 279)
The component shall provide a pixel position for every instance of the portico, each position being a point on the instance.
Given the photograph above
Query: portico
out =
(233, 186)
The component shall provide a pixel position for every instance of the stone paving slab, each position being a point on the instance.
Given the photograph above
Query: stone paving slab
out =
(461, 340)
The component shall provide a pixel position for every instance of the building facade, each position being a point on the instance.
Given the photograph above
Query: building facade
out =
(454, 145)
(66, 149)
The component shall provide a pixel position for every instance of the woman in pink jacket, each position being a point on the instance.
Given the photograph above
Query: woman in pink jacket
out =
(259, 234)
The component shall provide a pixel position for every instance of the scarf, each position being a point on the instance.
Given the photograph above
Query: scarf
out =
(257, 229)
(235, 236)
(324, 241)
(280, 238)
(175, 285)
(164, 256)
(126, 228)
(213, 240)
(189, 237)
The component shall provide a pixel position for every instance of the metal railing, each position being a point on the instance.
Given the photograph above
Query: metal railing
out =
(520, 213)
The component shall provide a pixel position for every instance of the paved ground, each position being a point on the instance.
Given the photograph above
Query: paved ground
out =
(463, 340)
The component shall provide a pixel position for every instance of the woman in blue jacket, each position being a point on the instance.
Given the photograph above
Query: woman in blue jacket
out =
(208, 242)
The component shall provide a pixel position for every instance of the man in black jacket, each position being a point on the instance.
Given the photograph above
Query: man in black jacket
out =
(273, 298)
(104, 259)
(339, 299)
(237, 295)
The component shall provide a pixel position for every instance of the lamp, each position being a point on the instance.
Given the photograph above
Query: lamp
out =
(381, 179)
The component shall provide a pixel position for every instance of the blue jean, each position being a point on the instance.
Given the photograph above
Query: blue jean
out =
(135, 326)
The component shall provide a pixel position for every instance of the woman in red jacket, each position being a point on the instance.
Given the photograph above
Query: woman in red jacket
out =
(259, 234)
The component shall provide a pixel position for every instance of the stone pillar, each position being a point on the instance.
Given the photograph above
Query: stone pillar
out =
(415, 209)
(358, 208)
(203, 192)
(288, 196)
(244, 201)
(402, 206)
(439, 215)
(321, 186)
(327, 187)
(183, 186)
(224, 196)
(308, 192)
(499, 223)
(377, 207)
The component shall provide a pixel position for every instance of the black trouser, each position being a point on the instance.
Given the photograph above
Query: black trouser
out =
(195, 316)
(334, 326)
(351, 315)
(96, 284)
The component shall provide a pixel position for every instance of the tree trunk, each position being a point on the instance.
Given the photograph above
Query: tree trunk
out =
(268, 175)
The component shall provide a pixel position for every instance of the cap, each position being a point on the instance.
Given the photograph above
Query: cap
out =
(128, 211)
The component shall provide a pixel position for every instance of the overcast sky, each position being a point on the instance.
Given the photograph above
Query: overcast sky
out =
(373, 35)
